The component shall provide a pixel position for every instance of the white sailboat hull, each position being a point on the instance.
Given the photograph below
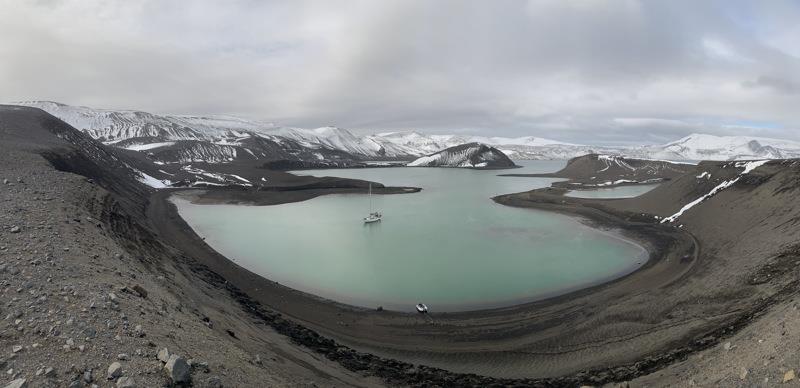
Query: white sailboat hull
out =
(374, 217)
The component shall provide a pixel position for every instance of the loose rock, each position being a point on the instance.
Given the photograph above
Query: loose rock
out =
(114, 370)
(125, 382)
(18, 383)
(177, 369)
(788, 376)
(140, 290)
(163, 355)
(214, 382)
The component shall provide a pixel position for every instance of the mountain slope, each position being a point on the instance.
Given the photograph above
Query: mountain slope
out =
(593, 171)
(470, 155)
(222, 139)
(710, 147)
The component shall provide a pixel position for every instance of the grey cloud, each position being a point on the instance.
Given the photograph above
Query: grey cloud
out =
(574, 71)
(780, 85)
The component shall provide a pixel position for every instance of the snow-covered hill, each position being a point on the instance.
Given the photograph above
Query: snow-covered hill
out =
(710, 147)
(470, 155)
(180, 138)
(214, 139)
(528, 147)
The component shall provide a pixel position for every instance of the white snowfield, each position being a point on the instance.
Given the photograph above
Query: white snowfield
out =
(153, 182)
(113, 126)
(748, 167)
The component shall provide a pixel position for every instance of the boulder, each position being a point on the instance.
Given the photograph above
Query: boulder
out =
(178, 369)
(114, 370)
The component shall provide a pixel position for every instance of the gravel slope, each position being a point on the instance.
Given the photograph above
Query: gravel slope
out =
(72, 257)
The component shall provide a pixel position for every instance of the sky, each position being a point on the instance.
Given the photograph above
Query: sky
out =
(602, 72)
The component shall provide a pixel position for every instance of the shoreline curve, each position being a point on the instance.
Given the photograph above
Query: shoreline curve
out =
(385, 328)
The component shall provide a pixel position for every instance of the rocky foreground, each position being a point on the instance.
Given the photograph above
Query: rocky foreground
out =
(88, 298)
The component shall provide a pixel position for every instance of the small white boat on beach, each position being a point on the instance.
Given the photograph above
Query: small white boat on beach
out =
(422, 308)
(373, 216)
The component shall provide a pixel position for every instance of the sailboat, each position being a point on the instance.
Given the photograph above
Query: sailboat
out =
(373, 216)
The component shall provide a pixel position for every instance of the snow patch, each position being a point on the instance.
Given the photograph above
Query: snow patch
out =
(145, 147)
(748, 167)
(152, 182)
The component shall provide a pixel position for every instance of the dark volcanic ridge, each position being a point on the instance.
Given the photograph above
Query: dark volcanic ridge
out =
(595, 171)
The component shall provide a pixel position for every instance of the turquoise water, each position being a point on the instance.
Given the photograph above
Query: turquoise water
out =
(613, 192)
(449, 246)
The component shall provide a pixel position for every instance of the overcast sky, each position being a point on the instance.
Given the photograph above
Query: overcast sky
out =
(583, 71)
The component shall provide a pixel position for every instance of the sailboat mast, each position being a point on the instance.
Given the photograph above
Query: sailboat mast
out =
(370, 198)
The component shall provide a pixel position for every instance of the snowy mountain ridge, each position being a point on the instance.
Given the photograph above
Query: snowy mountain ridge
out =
(228, 138)
(711, 147)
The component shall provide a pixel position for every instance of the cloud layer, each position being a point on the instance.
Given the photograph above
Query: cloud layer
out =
(584, 71)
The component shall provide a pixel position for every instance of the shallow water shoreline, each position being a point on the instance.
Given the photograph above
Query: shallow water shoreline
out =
(397, 335)
(535, 255)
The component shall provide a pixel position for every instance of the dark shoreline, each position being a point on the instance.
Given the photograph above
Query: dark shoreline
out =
(203, 196)
(318, 313)
(281, 196)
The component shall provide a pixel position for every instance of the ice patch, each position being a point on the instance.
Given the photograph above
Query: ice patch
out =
(145, 147)
(204, 183)
(153, 182)
(239, 178)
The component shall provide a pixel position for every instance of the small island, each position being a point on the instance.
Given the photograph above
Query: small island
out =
(470, 155)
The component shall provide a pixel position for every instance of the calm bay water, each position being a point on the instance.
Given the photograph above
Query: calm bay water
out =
(613, 192)
(449, 246)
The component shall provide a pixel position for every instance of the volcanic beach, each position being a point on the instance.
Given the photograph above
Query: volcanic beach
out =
(716, 297)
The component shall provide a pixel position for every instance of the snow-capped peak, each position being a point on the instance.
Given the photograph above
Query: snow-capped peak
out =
(128, 128)
(705, 147)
